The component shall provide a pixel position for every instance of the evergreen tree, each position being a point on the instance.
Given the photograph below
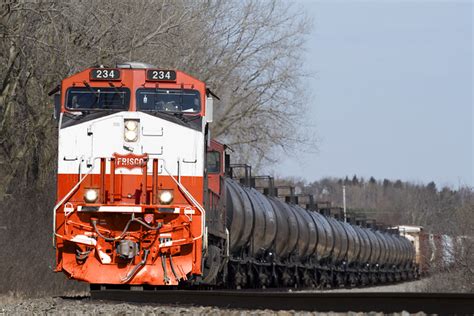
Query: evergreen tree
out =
(431, 187)
(346, 181)
(355, 181)
(398, 184)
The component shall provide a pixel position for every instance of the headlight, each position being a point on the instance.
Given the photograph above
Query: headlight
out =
(131, 125)
(131, 130)
(166, 196)
(91, 195)
(131, 136)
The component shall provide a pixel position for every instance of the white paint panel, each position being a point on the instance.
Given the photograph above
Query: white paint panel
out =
(84, 144)
(120, 209)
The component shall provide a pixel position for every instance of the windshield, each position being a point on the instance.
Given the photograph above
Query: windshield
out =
(89, 98)
(168, 100)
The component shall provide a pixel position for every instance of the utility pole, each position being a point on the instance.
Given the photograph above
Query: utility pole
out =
(344, 202)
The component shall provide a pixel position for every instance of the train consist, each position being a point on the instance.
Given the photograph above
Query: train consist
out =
(145, 197)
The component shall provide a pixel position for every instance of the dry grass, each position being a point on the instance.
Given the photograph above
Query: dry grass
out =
(26, 266)
(450, 282)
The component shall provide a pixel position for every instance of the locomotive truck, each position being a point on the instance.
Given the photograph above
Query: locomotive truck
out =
(145, 196)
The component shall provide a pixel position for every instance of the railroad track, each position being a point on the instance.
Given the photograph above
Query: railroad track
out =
(439, 303)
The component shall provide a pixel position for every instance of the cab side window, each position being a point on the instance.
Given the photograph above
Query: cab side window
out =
(213, 162)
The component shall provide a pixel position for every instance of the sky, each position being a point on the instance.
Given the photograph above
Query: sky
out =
(391, 92)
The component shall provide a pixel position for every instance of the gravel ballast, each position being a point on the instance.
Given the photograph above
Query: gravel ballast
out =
(83, 305)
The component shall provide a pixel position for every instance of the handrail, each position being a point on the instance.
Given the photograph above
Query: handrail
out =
(68, 195)
(193, 200)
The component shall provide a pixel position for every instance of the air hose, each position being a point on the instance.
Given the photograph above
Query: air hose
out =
(137, 267)
(133, 219)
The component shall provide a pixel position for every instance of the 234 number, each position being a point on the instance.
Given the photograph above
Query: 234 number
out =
(161, 75)
(105, 74)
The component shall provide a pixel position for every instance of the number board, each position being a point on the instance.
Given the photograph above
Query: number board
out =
(105, 74)
(160, 75)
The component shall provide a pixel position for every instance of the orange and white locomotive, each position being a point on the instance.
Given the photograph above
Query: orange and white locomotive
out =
(130, 181)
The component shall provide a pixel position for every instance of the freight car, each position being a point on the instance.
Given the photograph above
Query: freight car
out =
(433, 252)
(297, 246)
(145, 197)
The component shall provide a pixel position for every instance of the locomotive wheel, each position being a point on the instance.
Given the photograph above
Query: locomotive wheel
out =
(212, 264)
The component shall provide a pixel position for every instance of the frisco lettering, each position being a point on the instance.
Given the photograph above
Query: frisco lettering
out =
(126, 161)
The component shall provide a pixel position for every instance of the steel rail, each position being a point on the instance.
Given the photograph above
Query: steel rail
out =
(430, 303)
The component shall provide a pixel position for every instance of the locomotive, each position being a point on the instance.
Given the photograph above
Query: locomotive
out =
(146, 197)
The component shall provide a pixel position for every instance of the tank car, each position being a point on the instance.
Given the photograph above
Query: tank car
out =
(273, 243)
(145, 197)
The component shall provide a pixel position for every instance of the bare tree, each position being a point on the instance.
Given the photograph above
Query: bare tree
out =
(260, 77)
(248, 52)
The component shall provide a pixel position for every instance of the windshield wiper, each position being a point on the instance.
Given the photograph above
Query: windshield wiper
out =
(94, 92)
(120, 93)
(170, 114)
(88, 86)
(76, 117)
(194, 118)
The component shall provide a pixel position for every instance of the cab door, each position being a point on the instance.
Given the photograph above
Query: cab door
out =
(214, 166)
(215, 207)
